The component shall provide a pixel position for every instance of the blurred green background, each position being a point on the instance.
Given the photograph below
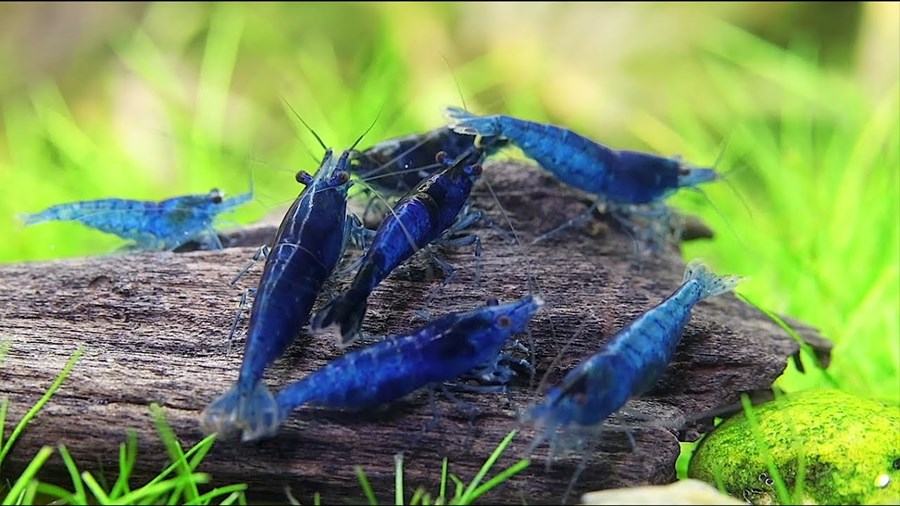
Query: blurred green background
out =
(153, 100)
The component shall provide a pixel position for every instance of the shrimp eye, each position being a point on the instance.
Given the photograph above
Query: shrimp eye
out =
(441, 157)
(474, 170)
(215, 195)
(302, 177)
(492, 302)
(683, 171)
(342, 176)
(504, 321)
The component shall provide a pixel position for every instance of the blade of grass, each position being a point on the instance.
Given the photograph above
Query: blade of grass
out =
(79, 496)
(40, 403)
(420, 496)
(18, 488)
(443, 494)
(459, 486)
(366, 486)
(173, 447)
(207, 497)
(762, 447)
(61, 494)
(156, 493)
(235, 497)
(496, 480)
(487, 467)
(290, 496)
(201, 446)
(4, 406)
(95, 488)
(398, 479)
(127, 458)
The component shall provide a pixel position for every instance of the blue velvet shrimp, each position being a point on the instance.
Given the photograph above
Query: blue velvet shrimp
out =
(442, 350)
(153, 226)
(620, 179)
(396, 166)
(630, 363)
(626, 366)
(306, 249)
(424, 215)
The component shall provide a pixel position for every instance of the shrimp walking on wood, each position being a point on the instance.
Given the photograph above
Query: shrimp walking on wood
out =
(442, 350)
(153, 226)
(429, 212)
(306, 249)
(396, 166)
(618, 178)
(630, 363)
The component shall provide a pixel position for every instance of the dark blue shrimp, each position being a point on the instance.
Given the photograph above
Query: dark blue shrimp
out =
(440, 351)
(153, 226)
(396, 166)
(306, 249)
(630, 363)
(622, 177)
(419, 218)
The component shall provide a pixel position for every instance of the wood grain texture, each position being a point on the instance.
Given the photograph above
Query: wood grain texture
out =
(155, 327)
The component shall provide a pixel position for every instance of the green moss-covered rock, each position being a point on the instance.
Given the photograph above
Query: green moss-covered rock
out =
(850, 446)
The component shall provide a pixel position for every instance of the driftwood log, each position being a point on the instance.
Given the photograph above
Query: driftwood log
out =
(155, 328)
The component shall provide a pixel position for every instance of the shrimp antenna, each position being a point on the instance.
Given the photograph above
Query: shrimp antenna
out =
(305, 124)
(371, 126)
(722, 215)
(532, 279)
(455, 81)
(723, 176)
(565, 348)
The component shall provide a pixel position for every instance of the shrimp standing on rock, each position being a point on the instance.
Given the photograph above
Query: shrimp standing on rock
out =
(430, 212)
(620, 179)
(628, 364)
(442, 350)
(153, 226)
(306, 249)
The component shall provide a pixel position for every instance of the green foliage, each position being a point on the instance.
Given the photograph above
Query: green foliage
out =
(463, 494)
(177, 484)
(817, 162)
(186, 98)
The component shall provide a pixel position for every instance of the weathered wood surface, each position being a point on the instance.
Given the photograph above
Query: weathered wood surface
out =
(154, 327)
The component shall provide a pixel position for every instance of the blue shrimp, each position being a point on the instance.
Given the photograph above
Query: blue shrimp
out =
(306, 249)
(396, 166)
(630, 363)
(442, 350)
(619, 178)
(153, 226)
(421, 217)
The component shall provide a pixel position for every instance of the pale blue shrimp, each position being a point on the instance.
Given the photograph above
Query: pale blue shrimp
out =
(153, 226)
